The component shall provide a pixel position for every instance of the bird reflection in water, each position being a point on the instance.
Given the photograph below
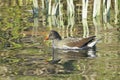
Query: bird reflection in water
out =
(70, 54)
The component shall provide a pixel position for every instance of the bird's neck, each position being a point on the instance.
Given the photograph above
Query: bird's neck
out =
(59, 38)
(55, 42)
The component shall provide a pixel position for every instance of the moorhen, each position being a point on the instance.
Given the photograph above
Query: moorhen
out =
(70, 43)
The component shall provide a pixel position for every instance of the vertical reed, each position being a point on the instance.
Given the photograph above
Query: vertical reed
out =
(116, 11)
(84, 18)
(35, 15)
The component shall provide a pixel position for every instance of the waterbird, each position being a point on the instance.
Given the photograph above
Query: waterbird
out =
(71, 43)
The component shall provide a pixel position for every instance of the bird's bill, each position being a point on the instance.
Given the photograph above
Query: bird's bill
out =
(47, 38)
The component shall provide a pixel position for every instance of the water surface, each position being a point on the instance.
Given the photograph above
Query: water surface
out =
(35, 59)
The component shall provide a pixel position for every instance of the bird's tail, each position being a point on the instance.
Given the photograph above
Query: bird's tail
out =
(93, 43)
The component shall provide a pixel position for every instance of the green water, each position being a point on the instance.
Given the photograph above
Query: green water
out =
(24, 54)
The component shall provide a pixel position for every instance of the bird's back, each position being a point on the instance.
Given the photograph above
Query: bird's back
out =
(74, 42)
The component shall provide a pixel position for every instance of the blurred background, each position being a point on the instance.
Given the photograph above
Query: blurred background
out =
(24, 55)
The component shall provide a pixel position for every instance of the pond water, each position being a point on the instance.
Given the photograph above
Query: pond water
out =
(36, 60)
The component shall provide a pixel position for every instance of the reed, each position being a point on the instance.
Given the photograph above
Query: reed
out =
(116, 11)
(35, 16)
(84, 18)
(96, 8)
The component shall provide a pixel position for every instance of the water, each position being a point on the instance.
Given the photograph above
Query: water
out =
(36, 60)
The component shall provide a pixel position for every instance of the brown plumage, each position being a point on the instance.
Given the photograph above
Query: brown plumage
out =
(71, 43)
(81, 42)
